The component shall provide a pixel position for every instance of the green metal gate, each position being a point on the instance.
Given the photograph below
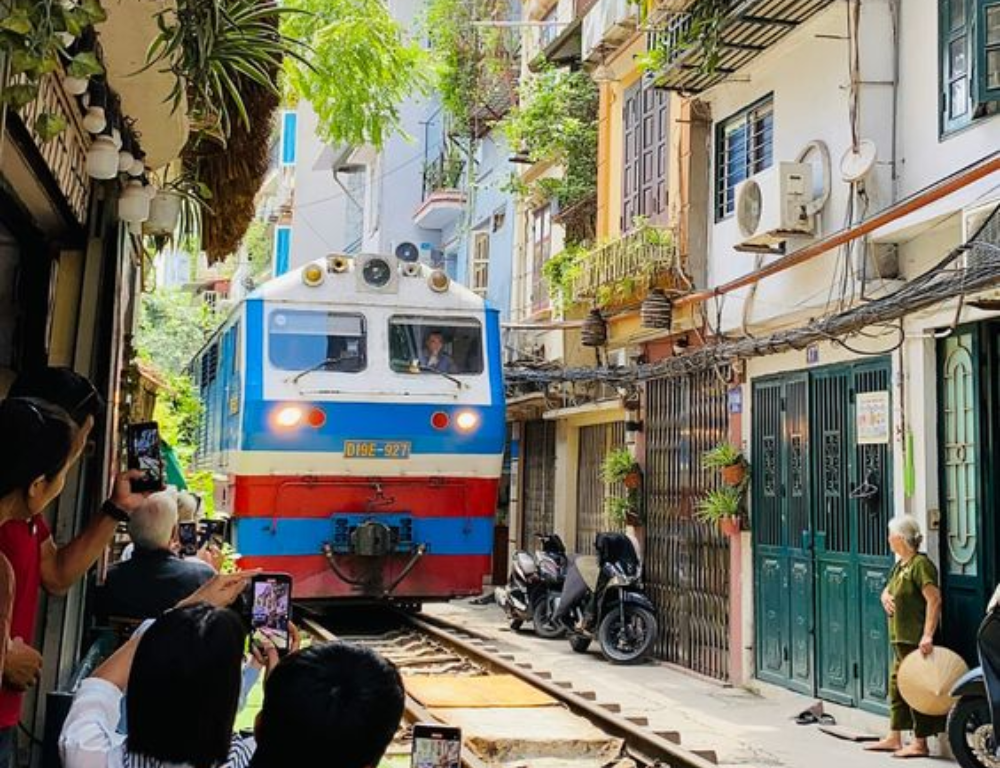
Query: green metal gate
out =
(822, 501)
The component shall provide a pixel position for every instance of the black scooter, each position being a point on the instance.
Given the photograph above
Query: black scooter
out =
(604, 600)
(973, 720)
(534, 585)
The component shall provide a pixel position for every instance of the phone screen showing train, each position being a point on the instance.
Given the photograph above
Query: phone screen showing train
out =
(144, 454)
(436, 746)
(187, 533)
(270, 606)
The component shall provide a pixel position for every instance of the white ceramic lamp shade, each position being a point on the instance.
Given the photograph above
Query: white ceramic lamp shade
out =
(102, 158)
(133, 204)
(125, 161)
(96, 121)
(75, 86)
(164, 211)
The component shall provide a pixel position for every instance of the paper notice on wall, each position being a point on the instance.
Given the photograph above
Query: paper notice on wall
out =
(872, 415)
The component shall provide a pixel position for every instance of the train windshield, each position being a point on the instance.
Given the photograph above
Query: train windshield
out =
(316, 341)
(428, 345)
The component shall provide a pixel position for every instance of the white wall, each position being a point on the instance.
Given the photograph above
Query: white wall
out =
(319, 214)
(924, 155)
(809, 77)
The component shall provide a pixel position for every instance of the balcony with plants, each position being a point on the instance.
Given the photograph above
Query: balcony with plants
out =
(695, 44)
(619, 273)
(443, 196)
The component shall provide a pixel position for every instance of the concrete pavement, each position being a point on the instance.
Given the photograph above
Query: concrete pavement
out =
(744, 726)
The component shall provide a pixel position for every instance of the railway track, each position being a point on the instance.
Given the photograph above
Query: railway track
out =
(424, 648)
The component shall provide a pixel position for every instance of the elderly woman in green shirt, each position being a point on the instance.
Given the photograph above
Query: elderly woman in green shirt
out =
(912, 602)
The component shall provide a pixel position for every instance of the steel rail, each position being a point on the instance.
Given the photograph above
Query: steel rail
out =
(647, 745)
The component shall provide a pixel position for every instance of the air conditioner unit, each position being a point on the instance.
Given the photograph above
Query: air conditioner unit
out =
(773, 206)
(973, 220)
(607, 24)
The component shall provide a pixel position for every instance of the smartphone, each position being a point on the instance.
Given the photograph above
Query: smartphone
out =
(271, 607)
(144, 454)
(436, 746)
(212, 532)
(188, 535)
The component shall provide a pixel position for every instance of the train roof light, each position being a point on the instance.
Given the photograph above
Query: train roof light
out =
(439, 281)
(312, 275)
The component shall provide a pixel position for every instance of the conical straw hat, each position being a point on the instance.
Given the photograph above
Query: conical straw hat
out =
(925, 682)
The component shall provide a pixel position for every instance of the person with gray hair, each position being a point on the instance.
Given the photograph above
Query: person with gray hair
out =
(912, 603)
(154, 578)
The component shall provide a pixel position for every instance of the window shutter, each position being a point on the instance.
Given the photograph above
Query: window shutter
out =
(988, 51)
(956, 101)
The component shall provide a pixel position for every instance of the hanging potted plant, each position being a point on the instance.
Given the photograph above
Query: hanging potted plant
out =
(722, 507)
(619, 468)
(729, 460)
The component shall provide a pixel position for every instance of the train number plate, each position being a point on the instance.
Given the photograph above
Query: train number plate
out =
(376, 449)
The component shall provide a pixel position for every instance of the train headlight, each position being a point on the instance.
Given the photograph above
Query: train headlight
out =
(288, 417)
(312, 275)
(467, 421)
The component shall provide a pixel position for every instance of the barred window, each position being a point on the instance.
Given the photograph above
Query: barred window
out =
(744, 146)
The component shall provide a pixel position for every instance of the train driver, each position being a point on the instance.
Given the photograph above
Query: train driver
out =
(434, 356)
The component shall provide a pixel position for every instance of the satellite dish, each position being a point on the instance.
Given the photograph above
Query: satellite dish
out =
(748, 207)
(407, 252)
(858, 163)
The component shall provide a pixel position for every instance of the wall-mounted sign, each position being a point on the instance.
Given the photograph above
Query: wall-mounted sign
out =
(812, 354)
(736, 400)
(872, 417)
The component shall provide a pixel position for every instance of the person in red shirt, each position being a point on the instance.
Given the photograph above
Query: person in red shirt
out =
(27, 542)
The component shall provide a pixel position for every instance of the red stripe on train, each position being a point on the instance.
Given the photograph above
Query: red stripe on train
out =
(291, 496)
(434, 577)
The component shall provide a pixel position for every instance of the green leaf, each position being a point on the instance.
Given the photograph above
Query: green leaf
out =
(94, 10)
(18, 22)
(23, 60)
(85, 65)
(75, 21)
(48, 126)
(19, 95)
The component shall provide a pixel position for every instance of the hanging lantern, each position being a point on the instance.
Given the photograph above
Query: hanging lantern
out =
(75, 86)
(102, 158)
(657, 310)
(96, 121)
(134, 203)
(594, 332)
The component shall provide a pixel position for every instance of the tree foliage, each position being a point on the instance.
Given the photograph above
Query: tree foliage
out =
(358, 70)
(259, 242)
(173, 325)
(470, 61)
(556, 121)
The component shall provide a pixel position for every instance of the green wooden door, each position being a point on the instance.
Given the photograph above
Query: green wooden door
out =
(782, 533)
(962, 433)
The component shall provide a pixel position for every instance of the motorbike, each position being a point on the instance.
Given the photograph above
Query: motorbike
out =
(613, 609)
(532, 591)
(973, 720)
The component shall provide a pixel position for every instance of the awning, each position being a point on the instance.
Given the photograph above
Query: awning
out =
(749, 29)
(173, 470)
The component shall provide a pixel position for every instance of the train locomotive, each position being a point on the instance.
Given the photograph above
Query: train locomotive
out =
(353, 418)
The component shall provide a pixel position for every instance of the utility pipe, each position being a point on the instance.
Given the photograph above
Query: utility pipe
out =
(973, 173)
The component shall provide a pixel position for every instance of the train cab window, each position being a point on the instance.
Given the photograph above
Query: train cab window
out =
(428, 345)
(300, 340)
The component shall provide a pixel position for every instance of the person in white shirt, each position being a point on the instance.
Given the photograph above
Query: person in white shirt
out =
(190, 661)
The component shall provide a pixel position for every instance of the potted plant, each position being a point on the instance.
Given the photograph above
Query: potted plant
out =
(729, 460)
(722, 507)
(619, 468)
